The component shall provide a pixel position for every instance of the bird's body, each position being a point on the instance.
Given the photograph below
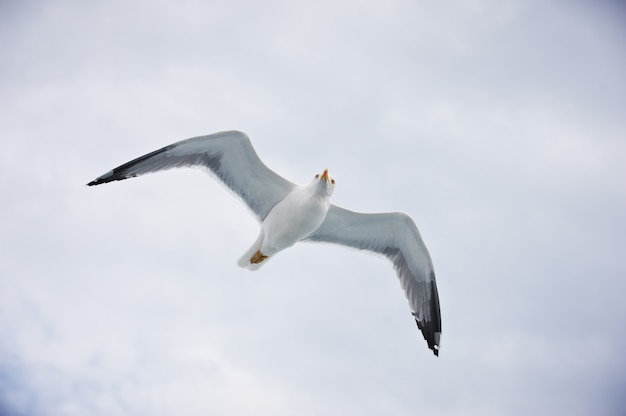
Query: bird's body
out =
(289, 213)
(295, 217)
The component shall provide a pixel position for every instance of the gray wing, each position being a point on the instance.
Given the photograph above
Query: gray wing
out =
(395, 236)
(229, 155)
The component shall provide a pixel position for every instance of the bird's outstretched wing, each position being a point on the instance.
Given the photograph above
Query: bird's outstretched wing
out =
(395, 236)
(229, 155)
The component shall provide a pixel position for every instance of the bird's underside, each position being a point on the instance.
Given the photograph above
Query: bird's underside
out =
(231, 158)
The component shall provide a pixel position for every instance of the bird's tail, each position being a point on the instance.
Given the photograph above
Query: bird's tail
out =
(253, 259)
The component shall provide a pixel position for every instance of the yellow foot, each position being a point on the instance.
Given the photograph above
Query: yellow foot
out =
(257, 257)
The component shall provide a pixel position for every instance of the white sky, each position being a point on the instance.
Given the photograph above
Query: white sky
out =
(498, 126)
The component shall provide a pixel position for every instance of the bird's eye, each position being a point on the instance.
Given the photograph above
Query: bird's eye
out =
(317, 176)
(332, 181)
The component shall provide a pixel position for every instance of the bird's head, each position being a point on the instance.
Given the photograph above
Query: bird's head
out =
(324, 183)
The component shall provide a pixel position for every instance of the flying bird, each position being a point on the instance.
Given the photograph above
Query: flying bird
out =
(289, 213)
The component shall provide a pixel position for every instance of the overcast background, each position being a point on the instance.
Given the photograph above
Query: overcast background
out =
(499, 126)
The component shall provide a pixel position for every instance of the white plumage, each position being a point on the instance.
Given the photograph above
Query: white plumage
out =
(289, 213)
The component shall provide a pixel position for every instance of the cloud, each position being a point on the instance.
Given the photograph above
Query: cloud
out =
(498, 128)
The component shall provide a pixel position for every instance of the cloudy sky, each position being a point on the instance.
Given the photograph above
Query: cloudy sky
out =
(498, 126)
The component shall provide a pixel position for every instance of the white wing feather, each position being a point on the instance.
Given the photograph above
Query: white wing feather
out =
(229, 155)
(395, 236)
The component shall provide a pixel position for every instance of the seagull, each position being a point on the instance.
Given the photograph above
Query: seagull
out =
(289, 213)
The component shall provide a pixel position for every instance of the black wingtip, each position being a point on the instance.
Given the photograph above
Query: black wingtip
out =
(431, 327)
(103, 179)
(122, 172)
(430, 334)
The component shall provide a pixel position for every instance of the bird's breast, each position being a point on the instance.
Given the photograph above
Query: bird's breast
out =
(293, 219)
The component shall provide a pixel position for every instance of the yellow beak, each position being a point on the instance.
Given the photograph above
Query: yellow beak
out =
(325, 175)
